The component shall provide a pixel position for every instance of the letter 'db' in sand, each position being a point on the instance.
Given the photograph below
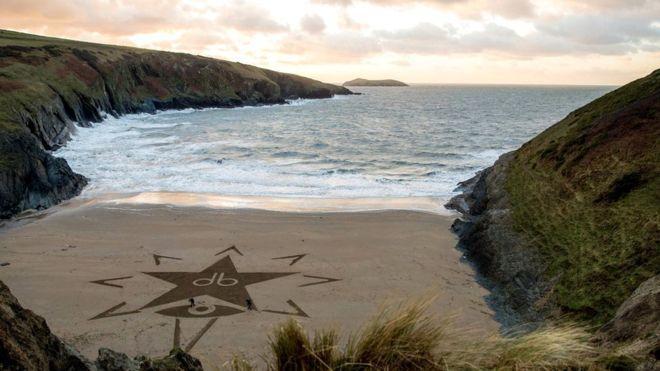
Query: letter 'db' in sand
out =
(210, 281)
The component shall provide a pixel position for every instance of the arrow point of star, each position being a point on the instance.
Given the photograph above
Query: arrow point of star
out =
(294, 258)
(249, 278)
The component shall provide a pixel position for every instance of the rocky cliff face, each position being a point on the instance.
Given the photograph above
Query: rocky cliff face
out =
(47, 86)
(569, 223)
(635, 327)
(510, 266)
(26, 343)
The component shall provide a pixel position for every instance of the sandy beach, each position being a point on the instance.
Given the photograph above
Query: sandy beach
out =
(120, 275)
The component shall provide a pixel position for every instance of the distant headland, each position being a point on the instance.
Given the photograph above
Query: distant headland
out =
(365, 82)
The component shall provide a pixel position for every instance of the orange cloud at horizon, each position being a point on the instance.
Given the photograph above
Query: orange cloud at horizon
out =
(432, 41)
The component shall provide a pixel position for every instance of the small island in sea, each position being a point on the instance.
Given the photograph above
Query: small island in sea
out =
(365, 82)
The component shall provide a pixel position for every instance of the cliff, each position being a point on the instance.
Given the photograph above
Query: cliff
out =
(567, 225)
(49, 85)
(26, 343)
(365, 82)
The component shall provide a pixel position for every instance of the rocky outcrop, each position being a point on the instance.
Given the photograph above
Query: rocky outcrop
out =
(509, 266)
(365, 82)
(47, 86)
(33, 179)
(177, 360)
(636, 323)
(26, 343)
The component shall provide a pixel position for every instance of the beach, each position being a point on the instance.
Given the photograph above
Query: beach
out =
(120, 274)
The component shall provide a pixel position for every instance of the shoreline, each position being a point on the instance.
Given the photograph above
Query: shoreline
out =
(431, 205)
(296, 205)
(76, 264)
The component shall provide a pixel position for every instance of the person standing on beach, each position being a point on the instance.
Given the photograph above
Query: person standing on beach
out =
(249, 304)
(192, 302)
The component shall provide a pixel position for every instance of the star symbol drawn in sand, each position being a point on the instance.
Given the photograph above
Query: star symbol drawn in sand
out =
(221, 280)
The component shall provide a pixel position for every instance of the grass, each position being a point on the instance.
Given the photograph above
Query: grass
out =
(408, 338)
(585, 194)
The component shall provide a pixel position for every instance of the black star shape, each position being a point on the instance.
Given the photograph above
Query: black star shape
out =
(220, 280)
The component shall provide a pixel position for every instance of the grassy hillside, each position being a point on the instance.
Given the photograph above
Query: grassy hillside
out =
(33, 69)
(586, 194)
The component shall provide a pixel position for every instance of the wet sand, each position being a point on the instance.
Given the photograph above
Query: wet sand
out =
(323, 269)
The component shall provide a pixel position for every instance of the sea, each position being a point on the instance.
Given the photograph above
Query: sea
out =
(387, 143)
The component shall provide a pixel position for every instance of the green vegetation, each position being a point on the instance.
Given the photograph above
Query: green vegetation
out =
(407, 338)
(586, 194)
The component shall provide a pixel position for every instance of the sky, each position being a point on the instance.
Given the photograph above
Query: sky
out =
(603, 42)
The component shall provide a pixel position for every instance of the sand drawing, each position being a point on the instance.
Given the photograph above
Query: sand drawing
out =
(221, 281)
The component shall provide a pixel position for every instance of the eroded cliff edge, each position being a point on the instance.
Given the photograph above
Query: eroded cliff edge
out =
(568, 225)
(49, 85)
(26, 343)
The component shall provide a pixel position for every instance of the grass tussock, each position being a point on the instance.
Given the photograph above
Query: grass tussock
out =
(550, 348)
(408, 338)
(399, 339)
(292, 348)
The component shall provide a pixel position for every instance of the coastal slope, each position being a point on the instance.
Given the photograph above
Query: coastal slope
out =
(568, 223)
(27, 343)
(365, 82)
(49, 85)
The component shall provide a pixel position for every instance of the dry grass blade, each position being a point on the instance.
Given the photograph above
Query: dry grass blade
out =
(407, 338)
(403, 339)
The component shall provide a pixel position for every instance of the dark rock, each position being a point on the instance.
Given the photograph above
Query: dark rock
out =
(109, 360)
(472, 199)
(177, 360)
(508, 265)
(637, 322)
(26, 342)
(31, 178)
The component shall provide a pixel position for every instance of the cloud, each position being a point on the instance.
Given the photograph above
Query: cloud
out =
(577, 35)
(335, 48)
(124, 18)
(465, 8)
(596, 30)
(247, 17)
(605, 4)
(355, 32)
(348, 23)
(98, 16)
(312, 23)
